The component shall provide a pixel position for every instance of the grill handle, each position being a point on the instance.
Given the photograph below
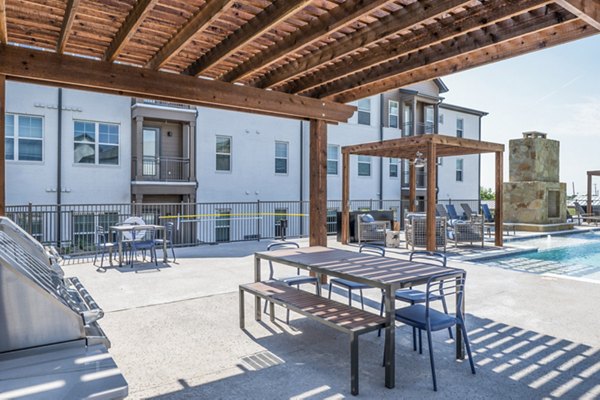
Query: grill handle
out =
(94, 311)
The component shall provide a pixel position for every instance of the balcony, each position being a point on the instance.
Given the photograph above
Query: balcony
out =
(162, 169)
(138, 100)
(421, 128)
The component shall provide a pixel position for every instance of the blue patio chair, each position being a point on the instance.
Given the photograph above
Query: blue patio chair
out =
(102, 245)
(145, 243)
(487, 214)
(351, 285)
(415, 296)
(452, 212)
(425, 318)
(169, 228)
(292, 280)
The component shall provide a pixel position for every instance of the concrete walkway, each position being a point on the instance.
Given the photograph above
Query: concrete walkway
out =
(174, 333)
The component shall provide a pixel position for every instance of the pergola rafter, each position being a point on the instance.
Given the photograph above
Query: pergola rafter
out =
(431, 146)
(587, 10)
(68, 20)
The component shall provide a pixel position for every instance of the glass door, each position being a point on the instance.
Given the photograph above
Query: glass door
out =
(150, 152)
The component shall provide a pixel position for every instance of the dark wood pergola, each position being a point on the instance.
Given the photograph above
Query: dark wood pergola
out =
(301, 59)
(431, 146)
(590, 174)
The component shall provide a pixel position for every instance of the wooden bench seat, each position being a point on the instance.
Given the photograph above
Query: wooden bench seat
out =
(342, 317)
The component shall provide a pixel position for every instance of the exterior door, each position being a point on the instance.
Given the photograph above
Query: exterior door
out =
(150, 152)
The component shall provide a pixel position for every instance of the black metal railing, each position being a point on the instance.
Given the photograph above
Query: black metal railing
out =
(71, 227)
(163, 169)
(417, 128)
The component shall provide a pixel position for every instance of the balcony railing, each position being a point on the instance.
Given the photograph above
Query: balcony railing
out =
(163, 169)
(138, 100)
(420, 127)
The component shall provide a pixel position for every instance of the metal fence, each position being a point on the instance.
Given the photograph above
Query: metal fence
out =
(71, 228)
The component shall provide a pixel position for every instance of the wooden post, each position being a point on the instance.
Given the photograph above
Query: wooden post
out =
(318, 183)
(2, 149)
(499, 214)
(412, 186)
(589, 209)
(431, 195)
(345, 196)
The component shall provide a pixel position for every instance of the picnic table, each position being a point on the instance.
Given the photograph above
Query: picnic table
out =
(386, 273)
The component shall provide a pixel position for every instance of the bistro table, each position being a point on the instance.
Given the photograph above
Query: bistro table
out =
(121, 229)
(389, 274)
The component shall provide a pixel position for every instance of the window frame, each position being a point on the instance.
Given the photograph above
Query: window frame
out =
(461, 129)
(364, 111)
(397, 115)
(335, 160)
(16, 137)
(460, 167)
(286, 158)
(394, 162)
(97, 143)
(223, 222)
(363, 161)
(230, 154)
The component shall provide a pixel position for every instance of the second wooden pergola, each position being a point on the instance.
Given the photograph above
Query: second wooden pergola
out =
(431, 146)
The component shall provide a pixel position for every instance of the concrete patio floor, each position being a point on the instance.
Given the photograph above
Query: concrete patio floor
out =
(175, 335)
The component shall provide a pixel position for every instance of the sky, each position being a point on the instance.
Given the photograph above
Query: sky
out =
(555, 90)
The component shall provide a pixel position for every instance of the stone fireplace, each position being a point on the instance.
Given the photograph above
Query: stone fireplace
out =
(534, 199)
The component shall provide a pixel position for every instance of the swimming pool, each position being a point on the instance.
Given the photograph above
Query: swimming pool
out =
(576, 255)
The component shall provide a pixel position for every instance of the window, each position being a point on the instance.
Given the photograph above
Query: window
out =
(332, 159)
(459, 170)
(96, 143)
(394, 167)
(281, 157)
(331, 220)
(24, 138)
(33, 226)
(364, 165)
(280, 213)
(460, 123)
(364, 112)
(84, 231)
(394, 114)
(405, 173)
(429, 119)
(223, 153)
(222, 225)
(441, 119)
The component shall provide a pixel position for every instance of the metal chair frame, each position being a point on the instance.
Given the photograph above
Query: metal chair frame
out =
(102, 245)
(169, 229)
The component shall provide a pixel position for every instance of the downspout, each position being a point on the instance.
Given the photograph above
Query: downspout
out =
(301, 192)
(59, 172)
(381, 114)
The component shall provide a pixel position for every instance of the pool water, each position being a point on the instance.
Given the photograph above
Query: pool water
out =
(576, 255)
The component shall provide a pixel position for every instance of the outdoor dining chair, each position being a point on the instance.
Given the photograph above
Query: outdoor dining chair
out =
(425, 318)
(145, 243)
(351, 285)
(291, 280)
(102, 245)
(169, 228)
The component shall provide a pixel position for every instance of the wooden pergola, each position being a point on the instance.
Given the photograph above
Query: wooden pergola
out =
(590, 174)
(431, 146)
(301, 59)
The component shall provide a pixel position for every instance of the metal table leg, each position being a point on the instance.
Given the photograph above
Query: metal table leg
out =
(257, 308)
(120, 245)
(390, 339)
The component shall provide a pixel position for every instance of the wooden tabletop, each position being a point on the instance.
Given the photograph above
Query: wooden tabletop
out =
(374, 270)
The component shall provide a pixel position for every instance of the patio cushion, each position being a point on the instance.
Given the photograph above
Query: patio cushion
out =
(366, 218)
(415, 316)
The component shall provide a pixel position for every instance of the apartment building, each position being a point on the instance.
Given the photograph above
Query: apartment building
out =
(116, 149)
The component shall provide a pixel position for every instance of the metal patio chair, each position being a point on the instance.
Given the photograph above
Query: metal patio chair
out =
(169, 229)
(351, 285)
(145, 243)
(102, 245)
(425, 318)
(292, 280)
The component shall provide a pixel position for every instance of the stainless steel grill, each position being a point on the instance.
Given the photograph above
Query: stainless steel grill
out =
(45, 319)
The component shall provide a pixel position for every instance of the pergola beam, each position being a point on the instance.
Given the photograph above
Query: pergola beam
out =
(275, 13)
(86, 74)
(199, 22)
(472, 41)
(3, 28)
(132, 22)
(65, 29)
(343, 15)
(522, 45)
(404, 18)
(474, 19)
(586, 10)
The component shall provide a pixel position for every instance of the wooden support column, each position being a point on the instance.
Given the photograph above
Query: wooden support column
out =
(499, 213)
(431, 194)
(318, 183)
(2, 150)
(345, 196)
(589, 209)
(412, 186)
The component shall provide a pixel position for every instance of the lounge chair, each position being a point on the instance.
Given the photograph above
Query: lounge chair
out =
(487, 214)
(469, 211)
(415, 228)
(368, 229)
(452, 212)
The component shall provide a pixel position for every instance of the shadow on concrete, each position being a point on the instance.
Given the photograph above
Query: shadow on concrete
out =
(309, 361)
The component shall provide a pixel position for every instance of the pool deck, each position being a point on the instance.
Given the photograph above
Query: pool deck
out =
(175, 335)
